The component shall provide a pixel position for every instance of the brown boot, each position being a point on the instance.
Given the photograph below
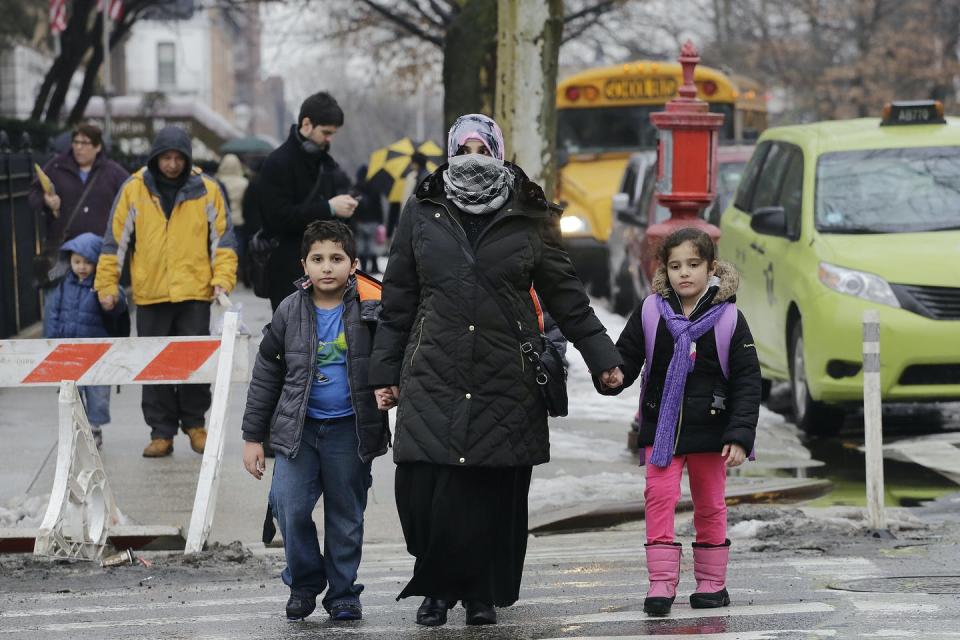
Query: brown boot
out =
(198, 438)
(159, 448)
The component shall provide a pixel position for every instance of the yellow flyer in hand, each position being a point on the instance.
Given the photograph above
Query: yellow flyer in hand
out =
(45, 181)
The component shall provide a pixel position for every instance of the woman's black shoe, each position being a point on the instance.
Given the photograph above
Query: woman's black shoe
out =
(480, 613)
(433, 612)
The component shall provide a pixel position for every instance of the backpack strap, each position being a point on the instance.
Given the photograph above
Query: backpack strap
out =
(723, 332)
(649, 320)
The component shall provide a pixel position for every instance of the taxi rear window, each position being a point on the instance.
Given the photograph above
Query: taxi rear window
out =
(888, 190)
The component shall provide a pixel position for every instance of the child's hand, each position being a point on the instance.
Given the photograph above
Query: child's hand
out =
(734, 454)
(253, 460)
(108, 302)
(387, 397)
(612, 378)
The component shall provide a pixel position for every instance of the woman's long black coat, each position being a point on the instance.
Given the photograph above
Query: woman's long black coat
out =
(467, 396)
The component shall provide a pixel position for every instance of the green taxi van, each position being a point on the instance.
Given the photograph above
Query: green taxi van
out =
(834, 218)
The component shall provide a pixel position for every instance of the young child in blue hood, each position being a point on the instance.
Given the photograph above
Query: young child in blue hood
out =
(75, 313)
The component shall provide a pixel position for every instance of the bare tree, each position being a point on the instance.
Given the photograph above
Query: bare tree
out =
(81, 44)
(462, 32)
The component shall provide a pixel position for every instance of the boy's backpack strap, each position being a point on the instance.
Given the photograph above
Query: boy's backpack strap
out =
(723, 332)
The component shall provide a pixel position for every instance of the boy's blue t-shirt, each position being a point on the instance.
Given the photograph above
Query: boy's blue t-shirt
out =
(330, 389)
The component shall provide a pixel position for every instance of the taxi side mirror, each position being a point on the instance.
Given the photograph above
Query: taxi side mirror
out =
(769, 221)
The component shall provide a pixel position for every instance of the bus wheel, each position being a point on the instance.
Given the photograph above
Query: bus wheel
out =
(814, 418)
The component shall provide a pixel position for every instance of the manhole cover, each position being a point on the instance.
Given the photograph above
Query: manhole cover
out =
(903, 584)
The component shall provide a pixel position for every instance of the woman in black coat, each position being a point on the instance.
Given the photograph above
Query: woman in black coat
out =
(471, 422)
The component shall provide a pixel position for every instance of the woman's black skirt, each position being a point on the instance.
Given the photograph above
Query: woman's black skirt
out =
(467, 529)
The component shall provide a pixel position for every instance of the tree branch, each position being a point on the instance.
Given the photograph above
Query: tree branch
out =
(405, 23)
(426, 16)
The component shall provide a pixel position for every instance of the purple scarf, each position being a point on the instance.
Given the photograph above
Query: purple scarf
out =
(685, 332)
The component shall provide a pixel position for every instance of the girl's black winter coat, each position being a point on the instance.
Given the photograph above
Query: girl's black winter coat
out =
(467, 396)
(716, 411)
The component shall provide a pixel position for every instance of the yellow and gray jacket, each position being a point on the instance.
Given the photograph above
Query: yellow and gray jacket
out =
(171, 260)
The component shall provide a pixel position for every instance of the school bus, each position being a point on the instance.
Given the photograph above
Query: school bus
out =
(603, 115)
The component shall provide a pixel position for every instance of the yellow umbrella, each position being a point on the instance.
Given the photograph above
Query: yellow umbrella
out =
(388, 164)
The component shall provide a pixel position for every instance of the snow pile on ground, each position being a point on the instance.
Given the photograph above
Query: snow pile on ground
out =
(24, 512)
(566, 491)
(585, 402)
(581, 445)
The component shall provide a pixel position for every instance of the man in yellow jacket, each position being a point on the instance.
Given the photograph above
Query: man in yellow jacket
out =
(173, 224)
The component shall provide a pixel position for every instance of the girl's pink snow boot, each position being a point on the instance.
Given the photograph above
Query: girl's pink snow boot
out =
(710, 570)
(663, 567)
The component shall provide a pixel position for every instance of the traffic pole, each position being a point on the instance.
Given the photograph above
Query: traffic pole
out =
(873, 420)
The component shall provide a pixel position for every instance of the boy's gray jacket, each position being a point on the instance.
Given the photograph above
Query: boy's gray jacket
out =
(284, 368)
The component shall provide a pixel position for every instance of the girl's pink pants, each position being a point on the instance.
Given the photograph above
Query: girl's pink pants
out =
(708, 479)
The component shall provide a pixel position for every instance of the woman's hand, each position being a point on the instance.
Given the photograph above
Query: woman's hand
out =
(734, 454)
(387, 397)
(612, 378)
(253, 460)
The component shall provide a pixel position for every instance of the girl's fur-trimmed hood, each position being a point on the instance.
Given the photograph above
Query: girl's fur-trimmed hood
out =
(726, 272)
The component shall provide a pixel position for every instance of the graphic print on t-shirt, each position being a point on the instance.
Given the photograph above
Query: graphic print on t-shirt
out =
(330, 353)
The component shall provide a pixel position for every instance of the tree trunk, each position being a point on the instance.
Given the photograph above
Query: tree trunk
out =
(75, 42)
(93, 68)
(470, 61)
(529, 38)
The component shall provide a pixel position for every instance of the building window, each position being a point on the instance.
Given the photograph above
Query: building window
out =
(166, 65)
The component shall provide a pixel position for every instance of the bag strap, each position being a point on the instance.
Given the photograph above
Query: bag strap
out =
(723, 332)
(76, 208)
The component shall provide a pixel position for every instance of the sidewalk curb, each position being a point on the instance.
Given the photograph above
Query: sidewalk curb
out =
(587, 517)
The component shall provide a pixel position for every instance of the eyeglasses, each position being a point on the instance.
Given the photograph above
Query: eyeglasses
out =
(81, 143)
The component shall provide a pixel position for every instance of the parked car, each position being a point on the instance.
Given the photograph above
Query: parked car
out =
(832, 219)
(635, 207)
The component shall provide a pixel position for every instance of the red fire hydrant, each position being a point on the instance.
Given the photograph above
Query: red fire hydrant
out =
(687, 162)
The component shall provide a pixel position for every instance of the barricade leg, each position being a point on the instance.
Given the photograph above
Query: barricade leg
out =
(205, 502)
(82, 509)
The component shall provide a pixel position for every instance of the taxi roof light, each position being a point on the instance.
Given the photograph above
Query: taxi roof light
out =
(909, 112)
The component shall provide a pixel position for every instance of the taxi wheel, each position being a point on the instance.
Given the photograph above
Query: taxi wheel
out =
(814, 418)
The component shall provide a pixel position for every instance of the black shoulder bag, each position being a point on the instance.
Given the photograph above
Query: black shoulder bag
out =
(540, 352)
(48, 268)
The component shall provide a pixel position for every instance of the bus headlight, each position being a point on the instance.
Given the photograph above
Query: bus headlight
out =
(573, 224)
(858, 284)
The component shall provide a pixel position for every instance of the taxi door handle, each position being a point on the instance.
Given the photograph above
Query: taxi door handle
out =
(757, 248)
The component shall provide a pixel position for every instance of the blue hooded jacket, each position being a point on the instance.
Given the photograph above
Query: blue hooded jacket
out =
(75, 309)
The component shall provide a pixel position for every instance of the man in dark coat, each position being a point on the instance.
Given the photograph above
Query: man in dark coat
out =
(299, 183)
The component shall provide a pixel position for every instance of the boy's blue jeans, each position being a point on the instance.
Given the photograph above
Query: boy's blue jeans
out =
(96, 401)
(326, 464)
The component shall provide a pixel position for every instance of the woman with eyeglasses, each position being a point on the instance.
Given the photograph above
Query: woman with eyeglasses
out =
(473, 240)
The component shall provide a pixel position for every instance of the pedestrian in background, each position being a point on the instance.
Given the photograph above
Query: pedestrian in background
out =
(322, 418)
(472, 422)
(85, 183)
(300, 182)
(692, 414)
(75, 313)
(415, 173)
(172, 222)
(231, 176)
(367, 219)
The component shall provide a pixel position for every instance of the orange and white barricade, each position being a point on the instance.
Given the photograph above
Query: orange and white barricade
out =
(82, 514)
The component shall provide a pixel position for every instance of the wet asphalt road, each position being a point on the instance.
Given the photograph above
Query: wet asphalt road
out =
(587, 585)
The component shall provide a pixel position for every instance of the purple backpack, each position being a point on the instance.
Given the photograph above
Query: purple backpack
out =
(650, 319)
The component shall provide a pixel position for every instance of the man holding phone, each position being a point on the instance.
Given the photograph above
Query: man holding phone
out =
(299, 183)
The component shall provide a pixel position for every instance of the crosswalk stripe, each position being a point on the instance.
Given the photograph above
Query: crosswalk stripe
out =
(735, 635)
(725, 612)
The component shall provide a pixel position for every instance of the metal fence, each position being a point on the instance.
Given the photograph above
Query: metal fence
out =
(20, 237)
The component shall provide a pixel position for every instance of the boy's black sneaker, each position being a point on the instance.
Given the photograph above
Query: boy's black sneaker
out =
(346, 612)
(299, 607)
